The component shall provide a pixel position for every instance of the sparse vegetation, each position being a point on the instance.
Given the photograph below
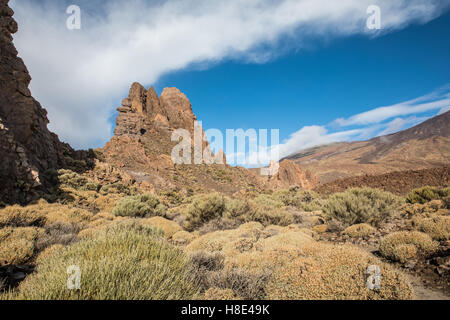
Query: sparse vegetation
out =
(360, 230)
(18, 245)
(139, 206)
(125, 261)
(437, 227)
(426, 194)
(204, 208)
(361, 205)
(404, 245)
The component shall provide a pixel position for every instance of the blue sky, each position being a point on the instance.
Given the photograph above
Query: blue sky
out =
(309, 68)
(315, 86)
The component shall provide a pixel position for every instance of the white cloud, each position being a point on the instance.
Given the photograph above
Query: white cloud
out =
(371, 123)
(80, 76)
(399, 124)
(439, 99)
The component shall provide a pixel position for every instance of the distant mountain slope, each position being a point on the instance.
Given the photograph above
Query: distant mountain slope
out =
(426, 145)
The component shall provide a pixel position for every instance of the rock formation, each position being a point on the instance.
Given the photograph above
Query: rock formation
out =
(27, 147)
(291, 174)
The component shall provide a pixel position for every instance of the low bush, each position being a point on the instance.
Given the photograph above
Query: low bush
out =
(139, 206)
(18, 245)
(204, 208)
(17, 216)
(426, 194)
(360, 230)
(70, 179)
(169, 228)
(126, 261)
(287, 263)
(304, 199)
(264, 209)
(115, 188)
(361, 205)
(437, 227)
(404, 245)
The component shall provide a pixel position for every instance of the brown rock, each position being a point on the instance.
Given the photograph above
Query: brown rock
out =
(27, 147)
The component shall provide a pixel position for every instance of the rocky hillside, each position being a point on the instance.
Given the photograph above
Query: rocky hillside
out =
(426, 145)
(27, 147)
(142, 147)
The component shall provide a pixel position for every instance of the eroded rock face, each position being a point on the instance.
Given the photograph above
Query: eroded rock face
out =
(27, 147)
(291, 174)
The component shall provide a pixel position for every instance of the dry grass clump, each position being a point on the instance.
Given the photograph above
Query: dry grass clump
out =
(183, 238)
(168, 227)
(360, 230)
(139, 206)
(212, 274)
(291, 265)
(48, 252)
(18, 216)
(404, 245)
(437, 227)
(18, 245)
(426, 194)
(204, 208)
(361, 205)
(126, 261)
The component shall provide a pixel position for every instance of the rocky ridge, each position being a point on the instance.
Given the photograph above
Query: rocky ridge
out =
(27, 147)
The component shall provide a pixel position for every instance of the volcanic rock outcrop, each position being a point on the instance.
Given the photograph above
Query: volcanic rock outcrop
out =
(142, 147)
(27, 147)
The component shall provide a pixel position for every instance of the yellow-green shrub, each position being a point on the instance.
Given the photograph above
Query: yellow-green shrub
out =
(437, 227)
(126, 261)
(361, 205)
(168, 227)
(304, 199)
(398, 246)
(299, 267)
(17, 245)
(204, 208)
(139, 206)
(68, 178)
(426, 194)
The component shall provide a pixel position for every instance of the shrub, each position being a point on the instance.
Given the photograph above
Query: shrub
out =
(263, 209)
(203, 209)
(361, 205)
(126, 261)
(115, 188)
(360, 230)
(426, 194)
(68, 178)
(296, 266)
(305, 199)
(139, 206)
(236, 208)
(169, 228)
(18, 245)
(398, 246)
(17, 216)
(437, 227)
